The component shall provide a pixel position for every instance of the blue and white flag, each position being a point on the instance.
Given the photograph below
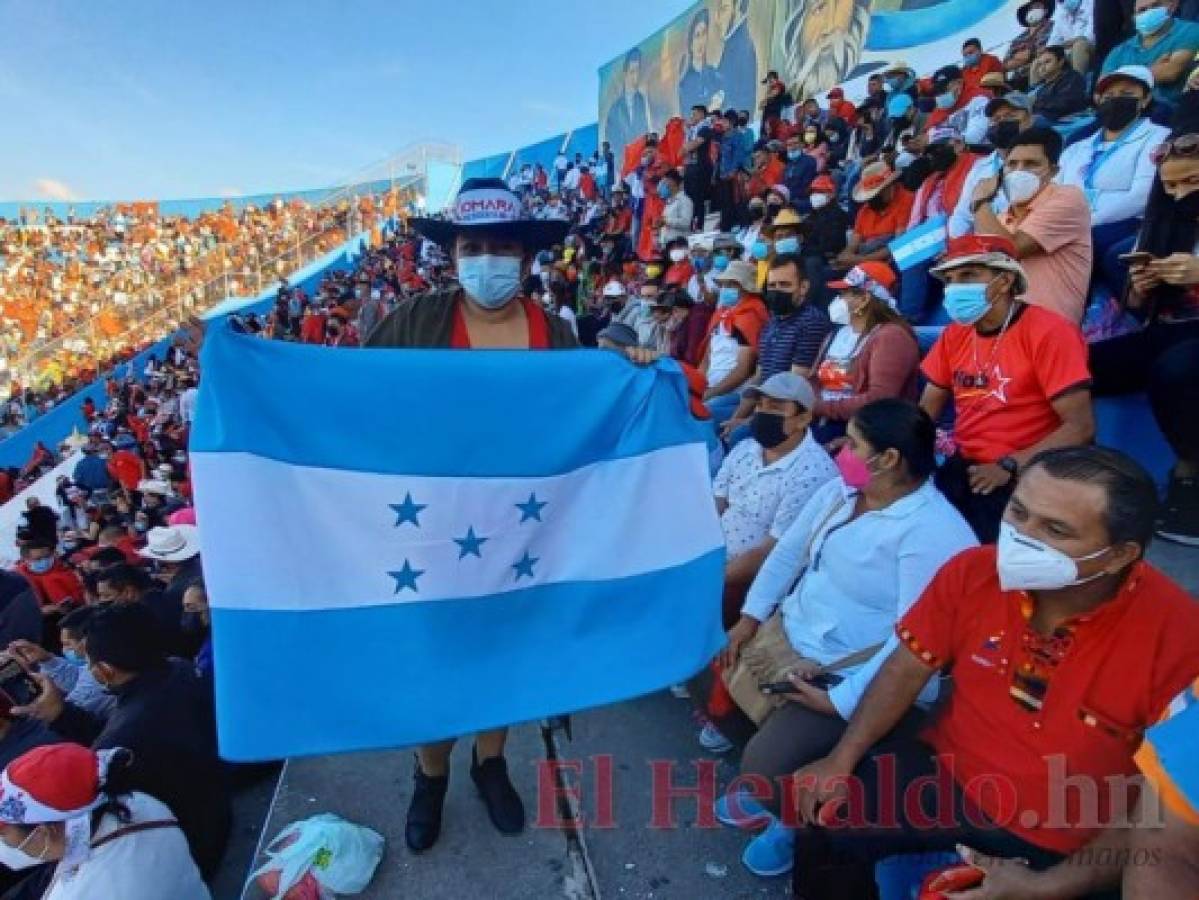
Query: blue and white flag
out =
(920, 244)
(402, 546)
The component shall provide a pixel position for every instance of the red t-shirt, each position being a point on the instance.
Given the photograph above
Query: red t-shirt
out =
(1024, 705)
(539, 329)
(55, 586)
(127, 468)
(1004, 385)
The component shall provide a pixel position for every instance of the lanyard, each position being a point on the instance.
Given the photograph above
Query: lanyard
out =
(1099, 157)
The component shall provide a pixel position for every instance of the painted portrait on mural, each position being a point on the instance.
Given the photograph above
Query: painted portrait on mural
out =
(700, 83)
(817, 43)
(737, 62)
(628, 117)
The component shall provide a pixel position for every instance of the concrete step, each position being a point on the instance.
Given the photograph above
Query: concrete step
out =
(630, 860)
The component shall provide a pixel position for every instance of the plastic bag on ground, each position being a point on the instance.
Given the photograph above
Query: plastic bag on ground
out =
(340, 855)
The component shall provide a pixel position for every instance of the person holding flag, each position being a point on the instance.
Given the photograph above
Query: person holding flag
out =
(493, 249)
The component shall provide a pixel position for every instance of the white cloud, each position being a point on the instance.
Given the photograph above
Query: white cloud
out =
(53, 189)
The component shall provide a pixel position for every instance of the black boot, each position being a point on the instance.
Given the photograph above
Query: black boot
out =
(424, 810)
(503, 803)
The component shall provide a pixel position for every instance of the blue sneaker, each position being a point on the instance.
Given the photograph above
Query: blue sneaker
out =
(740, 810)
(772, 852)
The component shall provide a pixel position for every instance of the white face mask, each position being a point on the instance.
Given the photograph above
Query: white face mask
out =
(903, 159)
(16, 858)
(1035, 16)
(818, 201)
(491, 281)
(678, 254)
(838, 311)
(1026, 564)
(1021, 186)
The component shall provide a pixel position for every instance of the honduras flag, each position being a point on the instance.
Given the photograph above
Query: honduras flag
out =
(920, 244)
(403, 546)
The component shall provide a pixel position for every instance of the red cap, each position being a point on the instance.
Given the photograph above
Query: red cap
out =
(823, 185)
(976, 244)
(836, 94)
(878, 272)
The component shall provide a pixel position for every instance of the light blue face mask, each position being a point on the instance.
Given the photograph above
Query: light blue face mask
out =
(74, 657)
(946, 100)
(728, 296)
(720, 262)
(786, 245)
(663, 190)
(794, 154)
(970, 60)
(760, 250)
(41, 566)
(491, 281)
(966, 303)
(1151, 20)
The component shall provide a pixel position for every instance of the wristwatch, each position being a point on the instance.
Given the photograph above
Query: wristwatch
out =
(1009, 465)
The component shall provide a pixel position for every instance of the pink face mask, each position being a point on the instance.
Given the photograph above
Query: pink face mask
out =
(854, 470)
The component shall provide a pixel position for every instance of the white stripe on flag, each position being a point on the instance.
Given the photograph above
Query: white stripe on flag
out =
(304, 538)
(920, 244)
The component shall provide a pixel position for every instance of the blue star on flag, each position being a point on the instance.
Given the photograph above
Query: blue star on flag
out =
(524, 566)
(471, 544)
(406, 577)
(407, 511)
(531, 508)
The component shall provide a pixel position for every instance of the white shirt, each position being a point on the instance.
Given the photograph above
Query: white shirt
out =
(571, 182)
(1118, 187)
(676, 218)
(722, 354)
(565, 312)
(1070, 25)
(766, 499)
(143, 865)
(187, 404)
(961, 222)
(860, 576)
(693, 286)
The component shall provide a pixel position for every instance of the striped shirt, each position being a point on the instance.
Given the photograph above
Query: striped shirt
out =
(792, 340)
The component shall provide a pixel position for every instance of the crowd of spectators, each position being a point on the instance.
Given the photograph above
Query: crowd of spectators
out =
(936, 574)
(80, 295)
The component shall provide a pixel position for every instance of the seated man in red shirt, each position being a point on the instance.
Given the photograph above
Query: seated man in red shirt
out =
(884, 213)
(1065, 646)
(1017, 375)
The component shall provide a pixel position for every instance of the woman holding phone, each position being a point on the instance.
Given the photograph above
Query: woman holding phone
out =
(1162, 358)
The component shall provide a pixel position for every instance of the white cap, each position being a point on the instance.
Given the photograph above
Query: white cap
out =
(1139, 74)
(614, 289)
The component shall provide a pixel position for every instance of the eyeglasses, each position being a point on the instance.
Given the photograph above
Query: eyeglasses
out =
(1185, 146)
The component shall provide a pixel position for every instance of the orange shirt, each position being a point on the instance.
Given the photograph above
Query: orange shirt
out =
(1059, 220)
(1003, 385)
(972, 76)
(892, 220)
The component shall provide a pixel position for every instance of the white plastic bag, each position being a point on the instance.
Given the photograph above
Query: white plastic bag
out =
(342, 856)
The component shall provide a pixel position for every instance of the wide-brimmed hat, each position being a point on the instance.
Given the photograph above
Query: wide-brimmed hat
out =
(988, 250)
(487, 206)
(177, 543)
(740, 273)
(786, 218)
(994, 81)
(1022, 12)
(876, 177)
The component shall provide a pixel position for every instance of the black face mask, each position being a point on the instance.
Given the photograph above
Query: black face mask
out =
(781, 303)
(756, 214)
(1187, 209)
(191, 623)
(767, 429)
(1117, 113)
(1002, 135)
(915, 174)
(942, 157)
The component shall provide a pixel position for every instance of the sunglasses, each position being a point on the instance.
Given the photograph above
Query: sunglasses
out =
(1185, 146)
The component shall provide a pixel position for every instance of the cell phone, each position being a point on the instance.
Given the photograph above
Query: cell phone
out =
(17, 687)
(824, 681)
(1136, 258)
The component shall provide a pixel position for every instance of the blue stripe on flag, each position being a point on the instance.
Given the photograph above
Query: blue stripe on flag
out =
(920, 244)
(300, 683)
(435, 412)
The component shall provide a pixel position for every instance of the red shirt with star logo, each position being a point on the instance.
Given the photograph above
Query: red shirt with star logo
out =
(1026, 706)
(1004, 384)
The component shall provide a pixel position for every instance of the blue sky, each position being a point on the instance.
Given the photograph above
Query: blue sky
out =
(134, 99)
